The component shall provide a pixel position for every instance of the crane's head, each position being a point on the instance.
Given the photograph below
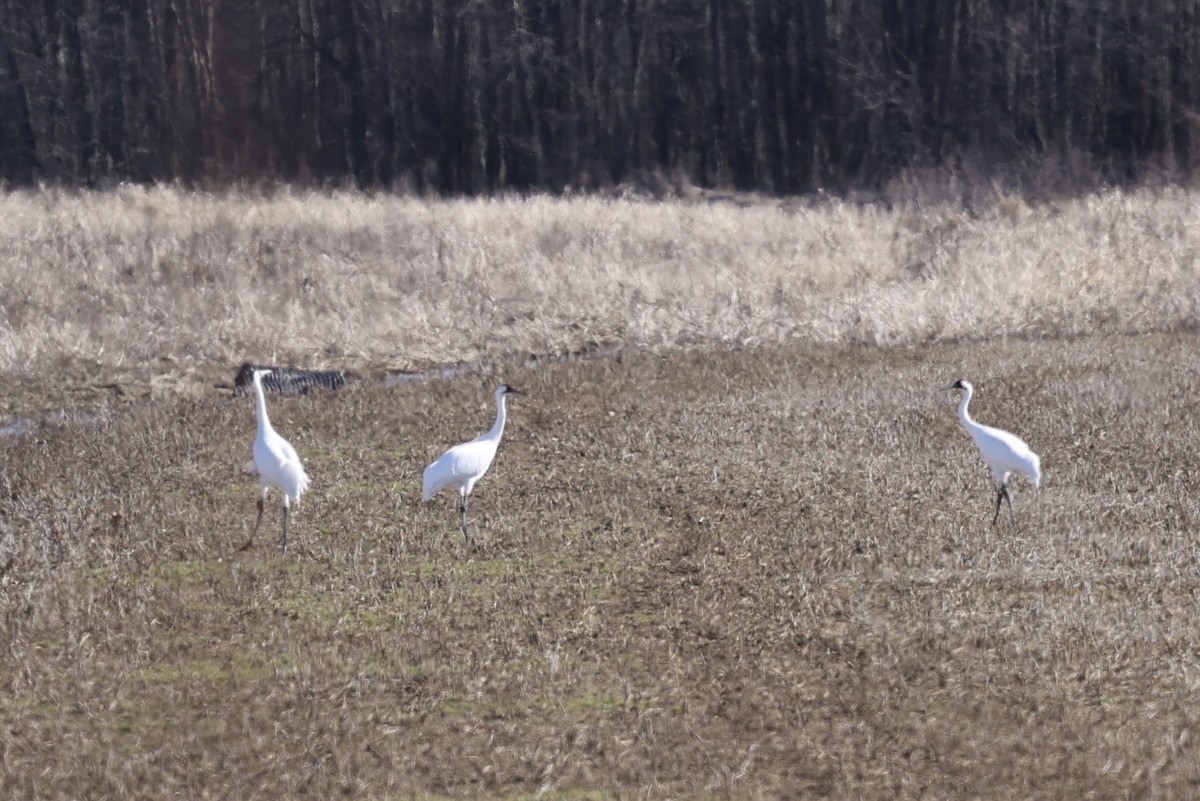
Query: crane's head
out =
(505, 389)
(965, 386)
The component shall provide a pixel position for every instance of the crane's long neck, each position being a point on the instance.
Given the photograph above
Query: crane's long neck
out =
(260, 404)
(963, 414)
(501, 416)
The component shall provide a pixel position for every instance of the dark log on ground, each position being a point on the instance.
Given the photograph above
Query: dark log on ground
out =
(287, 379)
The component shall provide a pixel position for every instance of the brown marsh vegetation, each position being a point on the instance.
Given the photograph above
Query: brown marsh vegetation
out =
(154, 288)
(740, 549)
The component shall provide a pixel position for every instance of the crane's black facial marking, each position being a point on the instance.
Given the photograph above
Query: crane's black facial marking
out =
(958, 385)
(511, 390)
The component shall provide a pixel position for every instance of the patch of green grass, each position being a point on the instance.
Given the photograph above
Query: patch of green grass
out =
(321, 609)
(214, 670)
(351, 486)
(937, 707)
(489, 568)
(643, 617)
(482, 709)
(545, 794)
(180, 573)
(590, 703)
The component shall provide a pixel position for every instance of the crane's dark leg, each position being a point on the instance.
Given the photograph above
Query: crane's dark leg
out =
(1002, 496)
(462, 507)
(1008, 498)
(257, 522)
(285, 515)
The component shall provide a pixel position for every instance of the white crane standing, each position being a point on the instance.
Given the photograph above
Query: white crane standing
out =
(275, 461)
(1005, 453)
(465, 464)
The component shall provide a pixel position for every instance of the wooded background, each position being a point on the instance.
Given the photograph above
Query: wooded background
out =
(479, 96)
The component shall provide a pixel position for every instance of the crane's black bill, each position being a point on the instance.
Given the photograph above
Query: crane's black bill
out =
(512, 390)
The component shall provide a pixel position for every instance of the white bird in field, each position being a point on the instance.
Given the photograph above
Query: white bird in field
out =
(275, 461)
(1005, 453)
(464, 464)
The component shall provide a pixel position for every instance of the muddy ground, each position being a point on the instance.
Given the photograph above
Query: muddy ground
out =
(707, 574)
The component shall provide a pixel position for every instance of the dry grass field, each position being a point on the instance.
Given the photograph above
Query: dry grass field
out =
(155, 289)
(738, 546)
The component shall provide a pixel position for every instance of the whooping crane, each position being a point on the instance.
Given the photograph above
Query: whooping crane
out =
(1005, 453)
(275, 461)
(464, 464)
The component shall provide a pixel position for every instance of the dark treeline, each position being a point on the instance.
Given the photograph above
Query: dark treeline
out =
(472, 96)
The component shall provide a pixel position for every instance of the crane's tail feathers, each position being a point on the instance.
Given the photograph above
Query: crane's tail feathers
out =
(303, 486)
(299, 478)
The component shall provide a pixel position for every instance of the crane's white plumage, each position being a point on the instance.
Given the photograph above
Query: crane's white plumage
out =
(1005, 453)
(275, 461)
(463, 465)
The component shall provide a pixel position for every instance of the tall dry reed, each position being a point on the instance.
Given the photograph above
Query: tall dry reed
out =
(159, 279)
